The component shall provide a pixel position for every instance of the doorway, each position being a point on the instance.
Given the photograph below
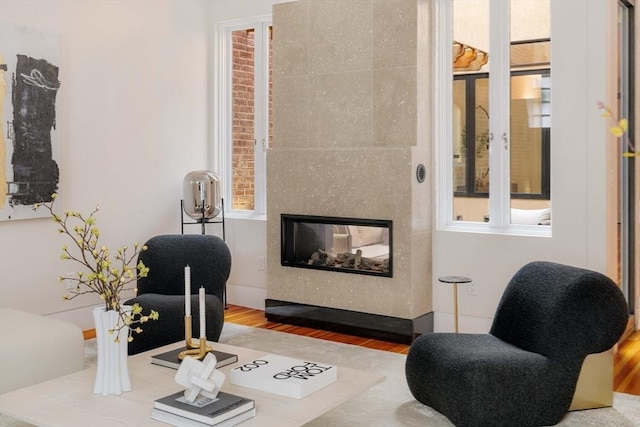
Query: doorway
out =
(626, 167)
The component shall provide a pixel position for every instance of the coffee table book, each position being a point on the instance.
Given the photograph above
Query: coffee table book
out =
(170, 359)
(204, 410)
(178, 421)
(284, 375)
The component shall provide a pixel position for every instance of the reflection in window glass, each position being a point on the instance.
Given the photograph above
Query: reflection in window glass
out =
(459, 137)
(471, 58)
(481, 139)
(530, 112)
(526, 134)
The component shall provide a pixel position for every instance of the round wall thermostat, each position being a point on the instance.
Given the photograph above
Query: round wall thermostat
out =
(421, 173)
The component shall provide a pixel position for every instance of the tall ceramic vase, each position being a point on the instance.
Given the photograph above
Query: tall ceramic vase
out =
(112, 373)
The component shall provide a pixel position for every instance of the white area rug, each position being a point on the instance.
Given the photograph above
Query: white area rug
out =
(389, 403)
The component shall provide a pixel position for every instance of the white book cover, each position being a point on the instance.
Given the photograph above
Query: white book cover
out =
(284, 375)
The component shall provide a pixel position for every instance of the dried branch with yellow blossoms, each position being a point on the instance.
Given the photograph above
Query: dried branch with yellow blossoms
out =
(105, 276)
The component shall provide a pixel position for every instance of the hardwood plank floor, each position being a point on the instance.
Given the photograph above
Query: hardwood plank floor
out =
(626, 368)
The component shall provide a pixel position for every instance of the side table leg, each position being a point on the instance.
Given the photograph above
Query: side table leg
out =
(455, 306)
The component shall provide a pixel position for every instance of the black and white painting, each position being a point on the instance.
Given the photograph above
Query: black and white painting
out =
(29, 140)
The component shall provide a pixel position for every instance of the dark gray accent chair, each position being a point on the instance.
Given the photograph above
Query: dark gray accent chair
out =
(524, 371)
(209, 260)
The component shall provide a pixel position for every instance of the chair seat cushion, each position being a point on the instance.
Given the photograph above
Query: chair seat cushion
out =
(480, 380)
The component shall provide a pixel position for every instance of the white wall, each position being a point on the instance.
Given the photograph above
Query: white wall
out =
(136, 112)
(133, 118)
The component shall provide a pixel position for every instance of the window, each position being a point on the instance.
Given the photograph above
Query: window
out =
(530, 136)
(245, 113)
(494, 157)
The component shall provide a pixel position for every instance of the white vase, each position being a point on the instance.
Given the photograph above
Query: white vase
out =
(112, 373)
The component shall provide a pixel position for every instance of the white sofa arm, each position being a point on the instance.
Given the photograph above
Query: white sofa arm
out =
(36, 348)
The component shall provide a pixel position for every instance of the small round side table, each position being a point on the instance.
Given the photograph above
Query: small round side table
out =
(455, 280)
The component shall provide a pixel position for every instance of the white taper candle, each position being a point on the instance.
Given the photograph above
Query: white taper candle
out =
(187, 291)
(203, 330)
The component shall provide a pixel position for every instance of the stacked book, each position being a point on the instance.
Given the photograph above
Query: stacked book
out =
(171, 359)
(225, 410)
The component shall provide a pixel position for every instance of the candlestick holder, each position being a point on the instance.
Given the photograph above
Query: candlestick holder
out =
(194, 348)
(197, 353)
(190, 343)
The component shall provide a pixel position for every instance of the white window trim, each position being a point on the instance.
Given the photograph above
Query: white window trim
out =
(499, 201)
(225, 114)
(443, 108)
(499, 127)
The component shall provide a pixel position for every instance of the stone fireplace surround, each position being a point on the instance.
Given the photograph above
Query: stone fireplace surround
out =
(350, 106)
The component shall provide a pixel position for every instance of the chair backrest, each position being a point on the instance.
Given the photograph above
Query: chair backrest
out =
(560, 311)
(208, 258)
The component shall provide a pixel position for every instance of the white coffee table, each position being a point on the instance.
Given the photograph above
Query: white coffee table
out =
(69, 401)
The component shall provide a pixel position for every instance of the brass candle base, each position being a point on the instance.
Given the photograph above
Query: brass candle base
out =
(196, 349)
(190, 343)
(198, 353)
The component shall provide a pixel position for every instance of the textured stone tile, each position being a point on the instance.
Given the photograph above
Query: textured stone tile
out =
(291, 38)
(290, 111)
(394, 111)
(340, 36)
(394, 33)
(341, 110)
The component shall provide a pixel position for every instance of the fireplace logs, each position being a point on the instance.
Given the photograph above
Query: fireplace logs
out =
(338, 244)
(348, 260)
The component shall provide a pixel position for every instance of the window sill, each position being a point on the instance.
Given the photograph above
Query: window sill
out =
(511, 230)
(245, 215)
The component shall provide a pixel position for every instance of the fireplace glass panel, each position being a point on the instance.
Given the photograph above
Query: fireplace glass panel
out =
(350, 245)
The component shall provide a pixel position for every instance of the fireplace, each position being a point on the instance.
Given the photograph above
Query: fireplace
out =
(345, 245)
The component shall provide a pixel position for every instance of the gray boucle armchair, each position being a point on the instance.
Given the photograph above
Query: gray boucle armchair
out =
(163, 290)
(524, 371)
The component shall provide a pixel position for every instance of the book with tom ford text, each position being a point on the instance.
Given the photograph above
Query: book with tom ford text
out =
(284, 375)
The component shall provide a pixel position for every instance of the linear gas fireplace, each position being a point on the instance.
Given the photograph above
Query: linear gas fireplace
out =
(347, 245)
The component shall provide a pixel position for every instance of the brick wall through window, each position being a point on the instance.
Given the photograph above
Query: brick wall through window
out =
(244, 144)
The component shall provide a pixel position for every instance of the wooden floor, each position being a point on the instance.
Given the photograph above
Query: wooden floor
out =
(627, 359)
(626, 369)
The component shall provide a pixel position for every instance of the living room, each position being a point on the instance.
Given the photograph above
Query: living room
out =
(134, 137)
(138, 108)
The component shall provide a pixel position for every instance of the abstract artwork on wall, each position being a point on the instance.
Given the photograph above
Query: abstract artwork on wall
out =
(29, 140)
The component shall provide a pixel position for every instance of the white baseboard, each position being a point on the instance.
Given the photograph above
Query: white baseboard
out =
(246, 296)
(81, 317)
(444, 322)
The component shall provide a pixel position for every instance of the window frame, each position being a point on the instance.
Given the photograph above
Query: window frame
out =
(261, 25)
(499, 198)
